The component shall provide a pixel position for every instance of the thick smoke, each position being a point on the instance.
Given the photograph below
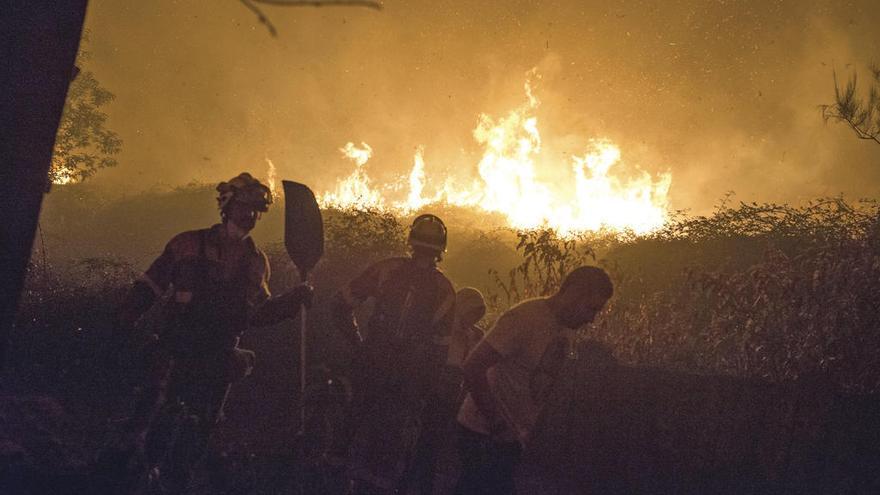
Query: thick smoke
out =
(723, 95)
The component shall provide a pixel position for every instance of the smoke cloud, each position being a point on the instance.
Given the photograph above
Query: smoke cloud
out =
(723, 95)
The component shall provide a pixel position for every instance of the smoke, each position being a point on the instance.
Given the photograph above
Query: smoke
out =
(722, 96)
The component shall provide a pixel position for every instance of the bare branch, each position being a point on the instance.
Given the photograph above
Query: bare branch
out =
(261, 17)
(324, 3)
(861, 133)
(304, 3)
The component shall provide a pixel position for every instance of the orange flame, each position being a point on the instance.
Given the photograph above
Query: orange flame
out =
(355, 191)
(272, 177)
(61, 174)
(508, 182)
(63, 178)
(417, 179)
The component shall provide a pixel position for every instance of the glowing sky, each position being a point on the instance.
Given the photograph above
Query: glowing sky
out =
(722, 94)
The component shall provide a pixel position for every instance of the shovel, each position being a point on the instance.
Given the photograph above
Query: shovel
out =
(304, 240)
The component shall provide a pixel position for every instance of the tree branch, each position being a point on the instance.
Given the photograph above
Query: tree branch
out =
(261, 17)
(863, 117)
(861, 133)
(324, 3)
(304, 3)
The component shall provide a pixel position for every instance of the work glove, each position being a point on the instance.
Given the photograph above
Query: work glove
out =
(280, 308)
(302, 294)
(292, 300)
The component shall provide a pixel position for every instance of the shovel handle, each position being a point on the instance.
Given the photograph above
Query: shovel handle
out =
(303, 337)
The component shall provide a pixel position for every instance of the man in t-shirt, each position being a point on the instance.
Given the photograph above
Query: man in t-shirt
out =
(509, 374)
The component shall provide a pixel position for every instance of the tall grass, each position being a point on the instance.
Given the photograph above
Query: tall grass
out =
(756, 290)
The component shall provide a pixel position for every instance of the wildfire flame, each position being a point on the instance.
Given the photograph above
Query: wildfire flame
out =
(591, 200)
(60, 173)
(63, 178)
(417, 179)
(271, 177)
(355, 191)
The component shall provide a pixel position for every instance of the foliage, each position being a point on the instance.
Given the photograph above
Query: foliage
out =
(546, 259)
(371, 234)
(768, 291)
(66, 320)
(354, 240)
(861, 115)
(818, 221)
(753, 290)
(83, 144)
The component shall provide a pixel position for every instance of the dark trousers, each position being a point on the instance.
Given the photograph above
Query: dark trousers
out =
(437, 421)
(394, 384)
(200, 385)
(487, 466)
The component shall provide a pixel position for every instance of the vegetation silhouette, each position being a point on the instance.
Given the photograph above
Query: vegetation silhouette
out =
(83, 144)
(744, 336)
(861, 114)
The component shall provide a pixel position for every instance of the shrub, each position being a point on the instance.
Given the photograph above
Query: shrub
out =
(758, 290)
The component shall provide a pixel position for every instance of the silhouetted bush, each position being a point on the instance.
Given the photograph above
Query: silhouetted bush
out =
(755, 291)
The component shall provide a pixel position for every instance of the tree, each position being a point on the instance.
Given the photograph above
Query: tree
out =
(83, 144)
(37, 65)
(38, 62)
(863, 116)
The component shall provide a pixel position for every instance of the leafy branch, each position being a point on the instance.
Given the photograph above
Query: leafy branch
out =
(547, 258)
(862, 116)
(83, 144)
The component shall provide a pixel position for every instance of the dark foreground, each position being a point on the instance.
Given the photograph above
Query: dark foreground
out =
(610, 429)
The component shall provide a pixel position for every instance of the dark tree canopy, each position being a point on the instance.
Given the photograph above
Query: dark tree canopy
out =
(83, 143)
(860, 113)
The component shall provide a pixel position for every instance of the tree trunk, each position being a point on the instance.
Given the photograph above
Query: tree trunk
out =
(38, 47)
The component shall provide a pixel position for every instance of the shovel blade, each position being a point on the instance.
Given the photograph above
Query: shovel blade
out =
(303, 227)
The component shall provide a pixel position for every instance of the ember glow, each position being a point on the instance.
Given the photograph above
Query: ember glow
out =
(355, 191)
(62, 178)
(272, 178)
(60, 174)
(594, 198)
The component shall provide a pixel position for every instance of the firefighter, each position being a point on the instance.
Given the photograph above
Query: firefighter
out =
(470, 307)
(213, 285)
(398, 363)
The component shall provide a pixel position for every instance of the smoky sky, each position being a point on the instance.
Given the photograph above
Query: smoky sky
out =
(724, 95)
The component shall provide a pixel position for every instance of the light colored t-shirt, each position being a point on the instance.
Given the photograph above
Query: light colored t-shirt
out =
(534, 346)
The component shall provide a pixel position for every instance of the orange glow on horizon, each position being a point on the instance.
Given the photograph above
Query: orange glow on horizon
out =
(592, 200)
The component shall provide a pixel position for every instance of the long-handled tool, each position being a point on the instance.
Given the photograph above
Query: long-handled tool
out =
(304, 240)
